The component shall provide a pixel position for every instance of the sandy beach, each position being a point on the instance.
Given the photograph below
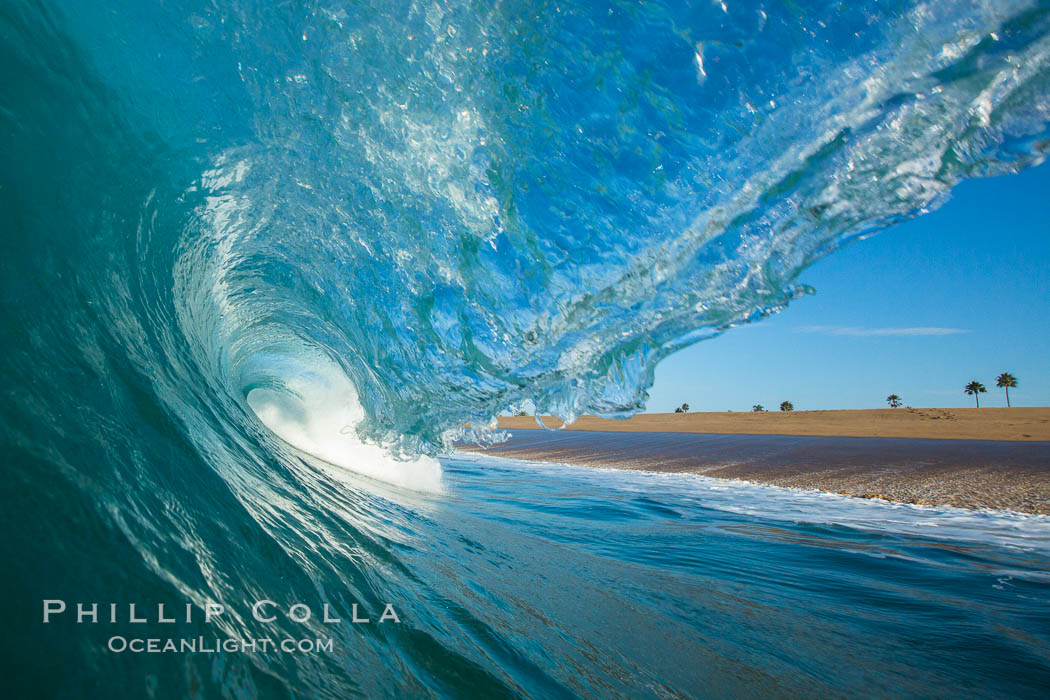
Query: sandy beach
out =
(1014, 424)
(986, 458)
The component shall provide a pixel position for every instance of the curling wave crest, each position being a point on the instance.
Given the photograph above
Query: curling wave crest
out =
(463, 208)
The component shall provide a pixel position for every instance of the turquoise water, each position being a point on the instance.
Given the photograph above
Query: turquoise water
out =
(241, 236)
(550, 581)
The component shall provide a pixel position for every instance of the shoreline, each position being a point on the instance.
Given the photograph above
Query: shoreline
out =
(999, 475)
(507, 459)
(1021, 424)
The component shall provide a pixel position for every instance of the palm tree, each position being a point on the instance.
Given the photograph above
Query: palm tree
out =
(893, 400)
(973, 389)
(787, 406)
(758, 408)
(1006, 381)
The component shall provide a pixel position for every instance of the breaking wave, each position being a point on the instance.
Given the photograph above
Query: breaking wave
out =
(464, 208)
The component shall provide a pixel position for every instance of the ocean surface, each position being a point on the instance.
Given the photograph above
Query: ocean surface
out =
(541, 580)
(262, 261)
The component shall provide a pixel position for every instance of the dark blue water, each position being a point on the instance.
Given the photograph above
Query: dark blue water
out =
(233, 230)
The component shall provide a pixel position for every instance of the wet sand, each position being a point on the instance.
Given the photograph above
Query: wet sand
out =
(962, 473)
(1021, 424)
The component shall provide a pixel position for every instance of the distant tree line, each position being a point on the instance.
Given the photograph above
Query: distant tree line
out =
(1004, 381)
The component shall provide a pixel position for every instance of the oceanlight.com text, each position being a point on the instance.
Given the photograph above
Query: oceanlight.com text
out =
(203, 645)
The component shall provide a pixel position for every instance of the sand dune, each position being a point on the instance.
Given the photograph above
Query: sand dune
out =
(1016, 424)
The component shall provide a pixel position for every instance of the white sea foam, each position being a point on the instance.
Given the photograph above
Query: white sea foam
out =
(317, 411)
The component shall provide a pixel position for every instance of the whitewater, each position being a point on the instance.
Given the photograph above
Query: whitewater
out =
(263, 263)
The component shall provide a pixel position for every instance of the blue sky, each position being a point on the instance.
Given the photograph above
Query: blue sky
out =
(918, 310)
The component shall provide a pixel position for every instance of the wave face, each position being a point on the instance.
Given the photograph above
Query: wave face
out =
(357, 228)
(466, 208)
